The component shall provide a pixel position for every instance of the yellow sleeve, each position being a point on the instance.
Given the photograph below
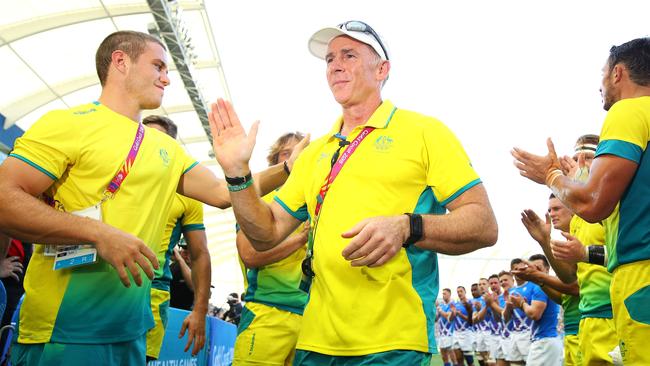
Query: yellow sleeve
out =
(187, 161)
(626, 130)
(193, 216)
(449, 171)
(292, 194)
(50, 145)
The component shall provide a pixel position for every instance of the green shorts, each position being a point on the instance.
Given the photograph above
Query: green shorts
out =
(74, 354)
(389, 358)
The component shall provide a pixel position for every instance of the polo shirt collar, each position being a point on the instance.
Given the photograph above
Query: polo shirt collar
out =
(379, 119)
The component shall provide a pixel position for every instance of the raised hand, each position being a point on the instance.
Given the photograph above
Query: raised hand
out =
(538, 229)
(516, 300)
(528, 273)
(569, 166)
(571, 250)
(534, 167)
(300, 146)
(232, 146)
(576, 170)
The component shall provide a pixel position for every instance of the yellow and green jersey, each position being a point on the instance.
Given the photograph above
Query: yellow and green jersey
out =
(277, 284)
(571, 311)
(409, 163)
(81, 149)
(185, 215)
(625, 134)
(593, 279)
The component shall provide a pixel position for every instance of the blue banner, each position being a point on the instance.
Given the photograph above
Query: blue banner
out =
(222, 342)
(218, 349)
(8, 136)
(171, 352)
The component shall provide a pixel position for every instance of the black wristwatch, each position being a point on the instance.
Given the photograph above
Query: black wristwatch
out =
(235, 181)
(415, 221)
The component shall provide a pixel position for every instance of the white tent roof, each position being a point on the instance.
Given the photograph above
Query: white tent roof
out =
(47, 49)
(498, 74)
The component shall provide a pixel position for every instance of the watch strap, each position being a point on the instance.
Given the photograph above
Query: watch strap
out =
(417, 230)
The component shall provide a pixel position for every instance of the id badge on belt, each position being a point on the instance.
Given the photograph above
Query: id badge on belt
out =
(68, 256)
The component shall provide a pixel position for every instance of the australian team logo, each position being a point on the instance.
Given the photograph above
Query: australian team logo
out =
(383, 143)
(322, 156)
(164, 156)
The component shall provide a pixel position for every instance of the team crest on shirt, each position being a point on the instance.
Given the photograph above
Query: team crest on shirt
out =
(322, 156)
(383, 143)
(164, 156)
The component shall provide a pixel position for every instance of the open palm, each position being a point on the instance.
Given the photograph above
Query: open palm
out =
(232, 146)
(538, 229)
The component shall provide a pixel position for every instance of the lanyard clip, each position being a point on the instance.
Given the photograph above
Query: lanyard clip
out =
(108, 195)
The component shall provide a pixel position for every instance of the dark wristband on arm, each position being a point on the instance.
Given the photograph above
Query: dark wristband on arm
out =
(596, 254)
(237, 181)
(417, 230)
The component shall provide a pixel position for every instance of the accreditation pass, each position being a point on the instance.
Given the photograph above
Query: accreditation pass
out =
(68, 256)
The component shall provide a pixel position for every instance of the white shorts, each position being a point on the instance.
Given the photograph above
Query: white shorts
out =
(518, 346)
(545, 352)
(445, 342)
(494, 346)
(503, 348)
(464, 340)
(482, 341)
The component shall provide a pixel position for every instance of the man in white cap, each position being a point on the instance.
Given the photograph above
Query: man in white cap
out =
(376, 190)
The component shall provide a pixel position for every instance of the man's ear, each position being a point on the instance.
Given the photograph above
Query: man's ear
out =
(120, 61)
(617, 73)
(383, 70)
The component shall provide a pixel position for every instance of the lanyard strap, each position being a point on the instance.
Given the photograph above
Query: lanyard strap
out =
(116, 182)
(334, 172)
(336, 168)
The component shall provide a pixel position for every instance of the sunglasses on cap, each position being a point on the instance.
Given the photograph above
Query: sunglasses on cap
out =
(359, 26)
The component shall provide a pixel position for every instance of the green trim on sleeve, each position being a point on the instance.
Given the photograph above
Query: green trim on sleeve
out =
(34, 165)
(620, 148)
(460, 191)
(193, 227)
(300, 215)
(190, 167)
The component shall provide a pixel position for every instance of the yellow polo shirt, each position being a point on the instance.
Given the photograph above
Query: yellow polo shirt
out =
(409, 163)
(81, 149)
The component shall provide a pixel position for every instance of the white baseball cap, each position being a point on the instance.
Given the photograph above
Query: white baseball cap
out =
(358, 30)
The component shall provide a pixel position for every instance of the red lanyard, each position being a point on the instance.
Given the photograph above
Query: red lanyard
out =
(336, 168)
(116, 182)
(128, 163)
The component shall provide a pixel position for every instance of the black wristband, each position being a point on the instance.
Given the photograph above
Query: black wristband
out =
(286, 168)
(237, 181)
(596, 254)
(415, 222)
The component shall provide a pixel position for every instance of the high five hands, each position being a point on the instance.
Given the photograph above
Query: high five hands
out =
(233, 147)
